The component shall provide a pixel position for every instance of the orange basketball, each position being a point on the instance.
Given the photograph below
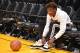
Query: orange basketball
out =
(15, 45)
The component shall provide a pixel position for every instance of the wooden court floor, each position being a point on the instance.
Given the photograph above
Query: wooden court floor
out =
(5, 46)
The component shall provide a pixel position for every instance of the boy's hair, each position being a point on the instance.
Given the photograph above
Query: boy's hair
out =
(51, 5)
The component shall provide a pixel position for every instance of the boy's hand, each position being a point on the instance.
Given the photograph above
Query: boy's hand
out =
(51, 40)
(43, 40)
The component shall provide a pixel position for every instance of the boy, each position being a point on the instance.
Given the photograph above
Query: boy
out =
(60, 18)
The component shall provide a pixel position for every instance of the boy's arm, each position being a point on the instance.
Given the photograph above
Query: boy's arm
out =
(63, 22)
(61, 31)
(46, 28)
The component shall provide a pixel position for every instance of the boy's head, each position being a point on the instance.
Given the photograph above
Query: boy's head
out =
(51, 8)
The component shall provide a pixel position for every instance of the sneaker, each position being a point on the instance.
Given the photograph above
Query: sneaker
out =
(45, 47)
(37, 44)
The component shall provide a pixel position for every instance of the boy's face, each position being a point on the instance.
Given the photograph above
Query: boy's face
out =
(51, 11)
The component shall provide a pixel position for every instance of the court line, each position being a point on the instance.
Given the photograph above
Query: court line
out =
(10, 40)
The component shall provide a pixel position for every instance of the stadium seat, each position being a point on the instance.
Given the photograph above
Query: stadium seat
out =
(42, 12)
(76, 4)
(27, 9)
(5, 4)
(12, 6)
(35, 10)
(1, 3)
(61, 2)
(19, 7)
(70, 11)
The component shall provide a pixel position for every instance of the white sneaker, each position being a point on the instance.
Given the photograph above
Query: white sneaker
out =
(37, 44)
(45, 47)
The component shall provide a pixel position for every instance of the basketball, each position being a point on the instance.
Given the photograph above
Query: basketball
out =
(15, 45)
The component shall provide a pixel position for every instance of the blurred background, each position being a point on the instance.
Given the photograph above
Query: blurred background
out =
(26, 19)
